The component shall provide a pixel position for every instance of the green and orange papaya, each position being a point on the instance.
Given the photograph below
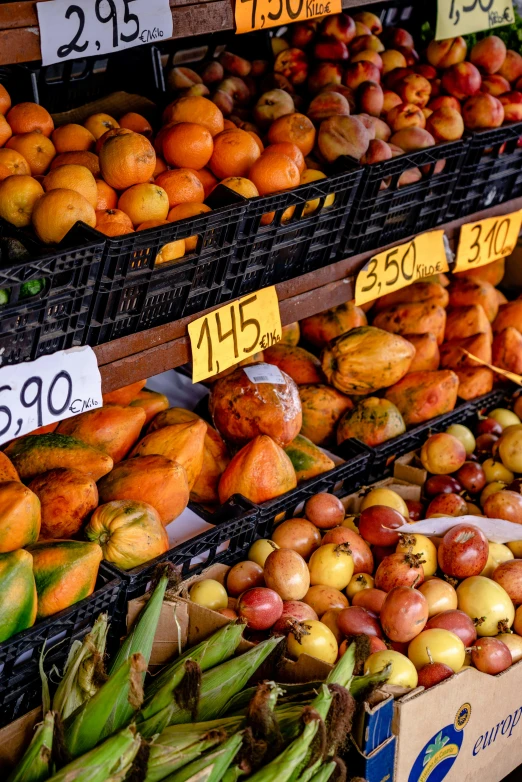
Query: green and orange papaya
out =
(320, 329)
(67, 497)
(35, 454)
(152, 402)
(373, 421)
(507, 350)
(322, 406)
(7, 469)
(260, 471)
(474, 382)
(509, 314)
(301, 365)
(124, 395)
(18, 601)
(491, 272)
(462, 322)
(418, 317)
(420, 396)
(427, 354)
(419, 291)
(290, 334)
(112, 429)
(184, 443)
(468, 291)
(307, 459)
(20, 516)
(452, 355)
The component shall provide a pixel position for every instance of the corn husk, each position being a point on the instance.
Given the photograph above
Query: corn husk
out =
(291, 761)
(233, 773)
(342, 672)
(324, 773)
(110, 762)
(210, 767)
(35, 765)
(361, 684)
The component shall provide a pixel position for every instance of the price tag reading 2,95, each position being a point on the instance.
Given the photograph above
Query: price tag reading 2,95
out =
(393, 269)
(83, 28)
(234, 332)
(461, 17)
(487, 240)
(260, 14)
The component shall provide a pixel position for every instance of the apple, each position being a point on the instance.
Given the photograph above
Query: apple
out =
(360, 72)
(324, 73)
(511, 68)
(390, 99)
(392, 59)
(495, 85)
(371, 98)
(366, 42)
(482, 111)
(512, 102)
(414, 89)
(368, 55)
(330, 49)
(462, 80)
(444, 54)
(272, 105)
(340, 135)
(446, 124)
(370, 20)
(445, 101)
(377, 152)
(340, 26)
(489, 54)
(411, 139)
(326, 104)
(405, 115)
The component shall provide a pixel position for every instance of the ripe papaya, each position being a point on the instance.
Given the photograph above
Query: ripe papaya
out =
(260, 471)
(501, 299)
(464, 292)
(156, 480)
(124, 395)
(35, 454)
(507, 350)
(307, 459)
(509, 314)
(19, 516)
(67, 498)
(373, 421)
(492, 272)
(319, 329)
(323, 406)
(45, 429)
(427, 355)
(290, 334)
(112, 429)
(183, 443)
(129, 533)
(65, 572)
(255, 358)
(419, 291)
(7, 469)
(474, 382)
(301, 365)
(18, 593)
(420, 396)
(242, 409)
(453, 357)
(462, 322)
(152, 402)
(366, 359)
(418, 317)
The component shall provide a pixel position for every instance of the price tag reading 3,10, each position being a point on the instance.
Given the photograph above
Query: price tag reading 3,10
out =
(83, 28)
(461, 17)
(487, 240)
(234, 332)
(260, 14)
(394, 269)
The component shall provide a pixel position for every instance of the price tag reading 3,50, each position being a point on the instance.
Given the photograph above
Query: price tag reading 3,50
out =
(461, 17)
(234, 332)
(487, 240)
(260, 14)
(83, 28)
(394, 269)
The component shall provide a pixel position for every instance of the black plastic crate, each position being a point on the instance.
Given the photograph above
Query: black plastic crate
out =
(491, 172)
(20, 684)
(386, 213)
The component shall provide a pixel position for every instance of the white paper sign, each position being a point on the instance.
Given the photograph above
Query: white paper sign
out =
(264, 373)
(54, 387)
(496, 530)
(84, 28)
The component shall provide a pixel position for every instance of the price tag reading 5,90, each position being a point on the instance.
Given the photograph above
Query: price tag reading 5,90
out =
(234, 332)
(487, 240)
(260, 14)
(394, 269)
(461, 17)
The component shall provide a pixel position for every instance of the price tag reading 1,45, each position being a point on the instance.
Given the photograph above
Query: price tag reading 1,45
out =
(83, 28)
(487, 240)
(393, 269)
(461, 17)
(260, 14)
(48, 390)
(234, 332)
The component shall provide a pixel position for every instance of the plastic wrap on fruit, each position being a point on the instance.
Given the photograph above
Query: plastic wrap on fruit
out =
(253, 400)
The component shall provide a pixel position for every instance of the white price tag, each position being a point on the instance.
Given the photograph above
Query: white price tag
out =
(264, 373)
(48, 390)
(84, 28)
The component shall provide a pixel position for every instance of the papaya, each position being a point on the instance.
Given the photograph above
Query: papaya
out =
(65, 572)
(439, 279)
(18, 594)
(366, 359)
(307, 459)
(418, 317)
(45, 429)
(507, 350)
(152, 402)
(19, 516)
(260, 471)
(156, 480)
(427, 354)
(320, 329)
(7, 469)
(183, 443)
(242, 409)
(301, 365)
(255, 358)
(373, 421)
(509, 314)
(501, 299)
(453, 357)
(420, 396)
(34, 454)
(462, 322)
(129, 533)
(124, 395)
(112, 429)
(67, 498)
(474, 382)
(290, 334)
(492, 272)
(419, 291)
(323, 406)
(464, 292)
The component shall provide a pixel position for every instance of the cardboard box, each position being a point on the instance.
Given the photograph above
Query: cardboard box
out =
(409, 468)
(407, 490)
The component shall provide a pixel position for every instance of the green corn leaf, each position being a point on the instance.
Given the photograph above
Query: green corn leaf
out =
(360, 684)
(110, 762)
(342, 672)
(323, 774)
(290, 761)
(35, 765)
(210, 767)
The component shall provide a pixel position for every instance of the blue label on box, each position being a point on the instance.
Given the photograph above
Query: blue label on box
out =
(440, 753)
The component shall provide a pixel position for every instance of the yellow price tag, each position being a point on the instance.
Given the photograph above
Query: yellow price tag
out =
(234, 332)
(460, 17)
(260, 14)
(487, 240)
(394, 269)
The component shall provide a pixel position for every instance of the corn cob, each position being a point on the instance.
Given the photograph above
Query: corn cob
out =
(290, 762)
(210, 767)
(35, 765)
(110, 762)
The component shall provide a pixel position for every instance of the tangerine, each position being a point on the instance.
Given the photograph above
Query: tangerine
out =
(114, 229)
(87, 159)
(100, 123)
(257, 140)
(171, 252)
(182, 211)
(56, 212)
(239, 184)
(228, 124)
(126, 160)
(5, 100)
(5, 130)
(235, 151)
(108, 133)
(207, 179)
(290, 150)
(312, 175)
(151, 224)
(36, 148)
(195, 108)
(274, 173)
(159, 168)
(143, 202)
(294, 128)
(107, 196)
(73, 177)
(18, 196)
(12, 163)
(72, 138)
(26, 117)
(187, 145)
(106, 216)
(137, 123)
(181, 185)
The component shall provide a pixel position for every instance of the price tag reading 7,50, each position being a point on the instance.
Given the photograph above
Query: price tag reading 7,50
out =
(394, 269)
(260, 14)
(487, 240)
(461, 17)
(234, 332)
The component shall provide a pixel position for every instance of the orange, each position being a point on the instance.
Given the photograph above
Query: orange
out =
(290, 150)
(151, 224)
(312, 175)
(187, 145)
(158, 141)
(127, 160)
(159, 168)
(107, 197)
(98, 124)
(114, 229)
(234, 153)
(137, 123)
(18, 195)
(105, 216)
(36, 148)
(73, 177)
(295, 128)
(26, 117)
(171, 252)
(181, 185)
(144, 202)
(180, 212)
(257, 140)
(57, 211)
(5, 130)
(12, 162)
(87, 159)
(207, 179)
(195, 108)
(228, 124)
(240, 185)
(5, 100)
(108, 133)
(273, 173)
(72, 138)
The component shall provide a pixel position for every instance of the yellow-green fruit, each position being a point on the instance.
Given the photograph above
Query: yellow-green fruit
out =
(210, 594)
(403, 673)
(260, 550)
(382, 496)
